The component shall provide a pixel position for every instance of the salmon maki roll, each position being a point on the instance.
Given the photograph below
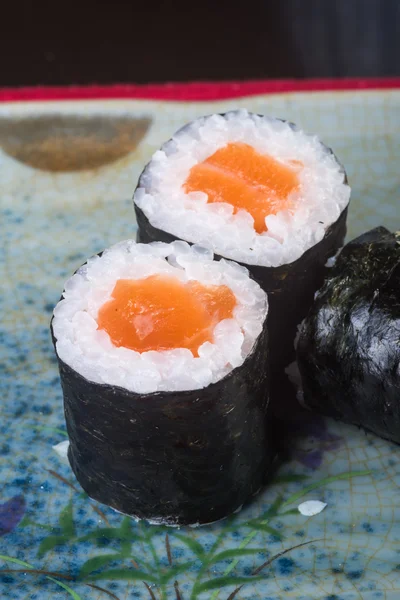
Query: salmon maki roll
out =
(348, 349)
(256, 190)
(161, 353)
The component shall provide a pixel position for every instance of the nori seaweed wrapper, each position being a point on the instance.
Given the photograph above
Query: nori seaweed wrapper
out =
(172, 457)
(290, 287)
(349, 346)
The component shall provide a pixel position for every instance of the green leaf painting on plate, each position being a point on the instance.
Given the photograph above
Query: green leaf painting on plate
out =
(130, 563)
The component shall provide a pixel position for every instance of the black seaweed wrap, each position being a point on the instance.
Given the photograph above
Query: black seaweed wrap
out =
(290, 287)
(349, 347)
(175, 457)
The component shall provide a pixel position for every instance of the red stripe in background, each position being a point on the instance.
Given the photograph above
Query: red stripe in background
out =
(193, 91)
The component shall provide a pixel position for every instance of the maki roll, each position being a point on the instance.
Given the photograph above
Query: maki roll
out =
(256, 190)
(161, 353)
(349, 344)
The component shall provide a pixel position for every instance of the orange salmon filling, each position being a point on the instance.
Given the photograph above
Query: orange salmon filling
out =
(162, 313)
(239, 175)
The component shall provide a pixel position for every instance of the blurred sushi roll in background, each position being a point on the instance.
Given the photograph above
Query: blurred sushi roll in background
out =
(162, 354)
(256, 190)
(349, 345)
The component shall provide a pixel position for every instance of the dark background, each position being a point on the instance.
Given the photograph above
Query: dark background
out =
(140, 42)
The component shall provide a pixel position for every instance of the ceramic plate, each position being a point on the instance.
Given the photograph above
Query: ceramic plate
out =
(67, 173)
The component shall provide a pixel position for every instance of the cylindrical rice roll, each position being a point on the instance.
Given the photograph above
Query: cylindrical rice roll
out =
(256, 190)
(162, 357)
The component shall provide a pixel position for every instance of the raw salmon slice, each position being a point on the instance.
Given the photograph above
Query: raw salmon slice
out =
(162, 313)
(247, 180)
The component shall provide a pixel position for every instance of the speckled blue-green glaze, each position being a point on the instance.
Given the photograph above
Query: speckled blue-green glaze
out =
(49, 223)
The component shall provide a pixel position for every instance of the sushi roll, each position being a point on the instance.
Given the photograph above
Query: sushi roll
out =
(161, 353)
(256, 190)
(349, 344)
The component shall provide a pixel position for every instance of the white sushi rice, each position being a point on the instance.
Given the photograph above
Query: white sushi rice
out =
(320, 199)
(90, 352)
